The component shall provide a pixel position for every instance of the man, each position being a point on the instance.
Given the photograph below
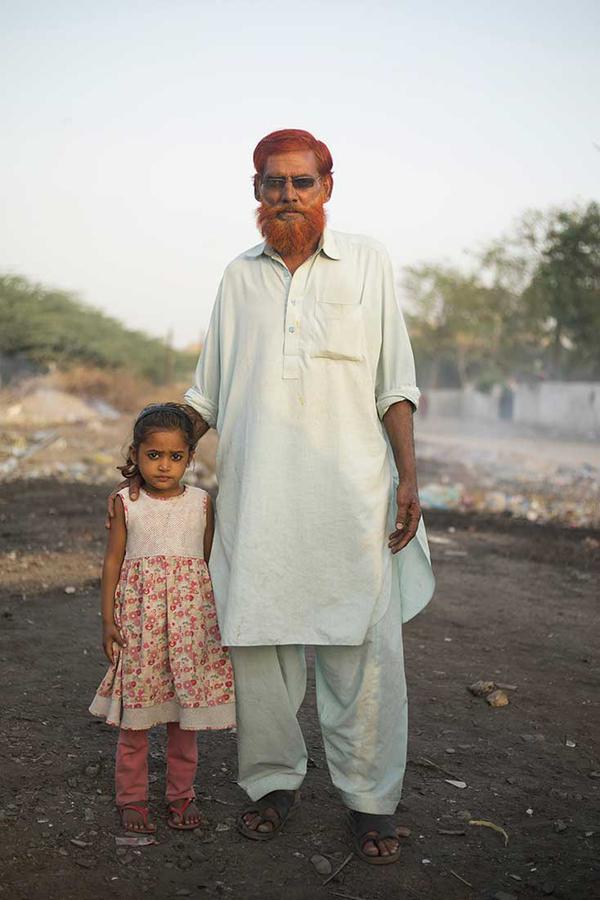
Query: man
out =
(305, 369)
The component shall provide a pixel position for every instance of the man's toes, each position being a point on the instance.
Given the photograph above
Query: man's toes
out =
(370, 848)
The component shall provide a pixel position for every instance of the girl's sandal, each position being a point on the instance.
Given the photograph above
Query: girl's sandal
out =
(283, 802)
(364, 827)
(143, 812)
(179, 811)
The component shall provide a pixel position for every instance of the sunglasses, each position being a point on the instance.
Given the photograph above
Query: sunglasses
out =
(277, 183)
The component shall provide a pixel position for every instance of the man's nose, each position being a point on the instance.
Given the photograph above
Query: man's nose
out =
(289, 193)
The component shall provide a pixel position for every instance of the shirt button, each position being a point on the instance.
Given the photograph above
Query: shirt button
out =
(291, 329)
(293, 302)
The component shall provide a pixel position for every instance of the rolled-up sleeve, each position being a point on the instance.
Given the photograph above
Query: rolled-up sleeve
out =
(396, 367)
(204, 394)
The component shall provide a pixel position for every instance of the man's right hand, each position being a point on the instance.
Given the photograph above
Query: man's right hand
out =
(134, 483)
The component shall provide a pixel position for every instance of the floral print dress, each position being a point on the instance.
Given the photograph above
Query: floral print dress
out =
(173, 667)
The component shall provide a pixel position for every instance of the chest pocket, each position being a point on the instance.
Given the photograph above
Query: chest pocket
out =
(338, 331)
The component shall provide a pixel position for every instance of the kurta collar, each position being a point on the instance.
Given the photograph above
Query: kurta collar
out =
(327, 245)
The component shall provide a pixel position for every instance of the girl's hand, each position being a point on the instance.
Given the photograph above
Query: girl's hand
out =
(111, 635)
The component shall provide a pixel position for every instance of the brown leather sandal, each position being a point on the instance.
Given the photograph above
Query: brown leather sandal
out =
(283, 802)
(365, 827)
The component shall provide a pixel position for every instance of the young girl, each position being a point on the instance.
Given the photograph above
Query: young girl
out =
(160, 630)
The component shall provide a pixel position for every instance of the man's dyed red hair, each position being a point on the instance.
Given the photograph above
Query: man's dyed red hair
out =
(289, 139)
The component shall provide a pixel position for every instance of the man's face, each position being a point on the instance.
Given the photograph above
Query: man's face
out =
(291, 194)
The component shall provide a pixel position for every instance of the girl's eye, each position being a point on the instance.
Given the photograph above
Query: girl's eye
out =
(152, 454)
(176, 456)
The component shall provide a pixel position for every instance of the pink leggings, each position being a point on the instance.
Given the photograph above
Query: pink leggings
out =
(131, 769)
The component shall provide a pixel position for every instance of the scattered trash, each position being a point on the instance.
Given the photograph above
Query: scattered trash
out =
(529, 811)
(426, 862)
(321, 865)
(570, 743)
(402, 831)
(594, 774)
(70, 589)
(484, 823)
(134, 840)
(455, 783)
(497, 699)
(222, 827)
(454, 832)
(79, 843)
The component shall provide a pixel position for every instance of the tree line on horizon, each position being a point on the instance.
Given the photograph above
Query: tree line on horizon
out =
(526, 308)
(53, 328)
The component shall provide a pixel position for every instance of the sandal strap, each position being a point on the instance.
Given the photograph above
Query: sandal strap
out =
(180, 810)
(142, 810)
(366, 825)
(281, 801)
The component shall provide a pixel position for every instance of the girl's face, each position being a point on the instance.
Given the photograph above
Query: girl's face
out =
(162, 458)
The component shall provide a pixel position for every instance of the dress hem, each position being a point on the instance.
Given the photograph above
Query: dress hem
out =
(207, 718)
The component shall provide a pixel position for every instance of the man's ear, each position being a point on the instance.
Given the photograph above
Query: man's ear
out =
(256, 183)
(327, 187)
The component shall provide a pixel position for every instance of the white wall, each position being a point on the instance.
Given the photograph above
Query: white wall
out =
(567, 407)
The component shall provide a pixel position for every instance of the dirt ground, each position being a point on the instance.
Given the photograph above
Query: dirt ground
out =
(516, 603)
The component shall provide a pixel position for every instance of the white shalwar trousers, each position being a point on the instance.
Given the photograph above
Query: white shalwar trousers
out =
(362, 707)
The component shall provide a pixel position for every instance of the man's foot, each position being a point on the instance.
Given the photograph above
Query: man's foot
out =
(136, 817)
(262, 820)
(375, 837)
(184, 815)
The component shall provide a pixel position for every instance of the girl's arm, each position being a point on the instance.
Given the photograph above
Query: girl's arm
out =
(209, 530)
(111, 571)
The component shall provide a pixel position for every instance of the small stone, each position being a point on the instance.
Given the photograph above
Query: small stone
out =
(547, 888)
(321, 865)
(222, 827)
(92, 770)
(529, 811)
(69, 589)
(450, 750)
(559, 826)
(533, 738)
(497, 699)
(594, 774)
(185, 863)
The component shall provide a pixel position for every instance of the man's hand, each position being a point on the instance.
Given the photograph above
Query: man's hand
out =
(134, 483)
(407, 517)
(111, 635)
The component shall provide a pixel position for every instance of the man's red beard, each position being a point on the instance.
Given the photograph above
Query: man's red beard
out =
(291, 236)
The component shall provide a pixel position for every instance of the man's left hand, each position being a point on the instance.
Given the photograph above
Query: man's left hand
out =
(407, 517)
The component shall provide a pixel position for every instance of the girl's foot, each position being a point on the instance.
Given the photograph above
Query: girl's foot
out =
(184, 814)
(136, 817)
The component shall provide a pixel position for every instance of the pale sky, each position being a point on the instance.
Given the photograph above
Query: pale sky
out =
(127, 131)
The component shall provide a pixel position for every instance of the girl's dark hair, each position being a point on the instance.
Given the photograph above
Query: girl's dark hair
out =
(158, 417)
